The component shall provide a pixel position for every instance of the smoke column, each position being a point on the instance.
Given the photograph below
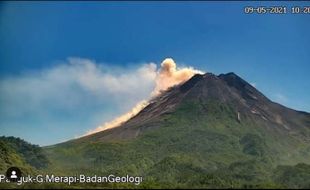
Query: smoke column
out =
(167, 76)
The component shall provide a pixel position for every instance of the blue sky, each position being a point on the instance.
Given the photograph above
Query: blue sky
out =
(46, 47)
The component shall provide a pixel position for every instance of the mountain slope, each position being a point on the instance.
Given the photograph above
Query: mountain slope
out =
(19, 153)
(228, 89)
(211, 131)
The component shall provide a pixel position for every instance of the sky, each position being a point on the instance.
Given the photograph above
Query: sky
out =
(68, 67)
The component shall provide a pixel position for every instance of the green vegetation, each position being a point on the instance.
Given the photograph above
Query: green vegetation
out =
(200, 145)
(33, 154)
(295, 177)
(19, 153)
(252, 145)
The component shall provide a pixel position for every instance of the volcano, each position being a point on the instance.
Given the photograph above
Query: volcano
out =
(212, 131)
(223, 94)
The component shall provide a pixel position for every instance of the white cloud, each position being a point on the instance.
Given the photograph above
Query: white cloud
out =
(79, 94)
(67, 85)
(78, 87)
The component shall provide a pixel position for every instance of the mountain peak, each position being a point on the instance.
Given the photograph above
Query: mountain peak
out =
(191, 82)
(230, 90)
(232, 77)
(235, 81)
(230, 74)
(220, 122)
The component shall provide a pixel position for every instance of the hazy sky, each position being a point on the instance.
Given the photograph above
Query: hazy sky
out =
(64, 65)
